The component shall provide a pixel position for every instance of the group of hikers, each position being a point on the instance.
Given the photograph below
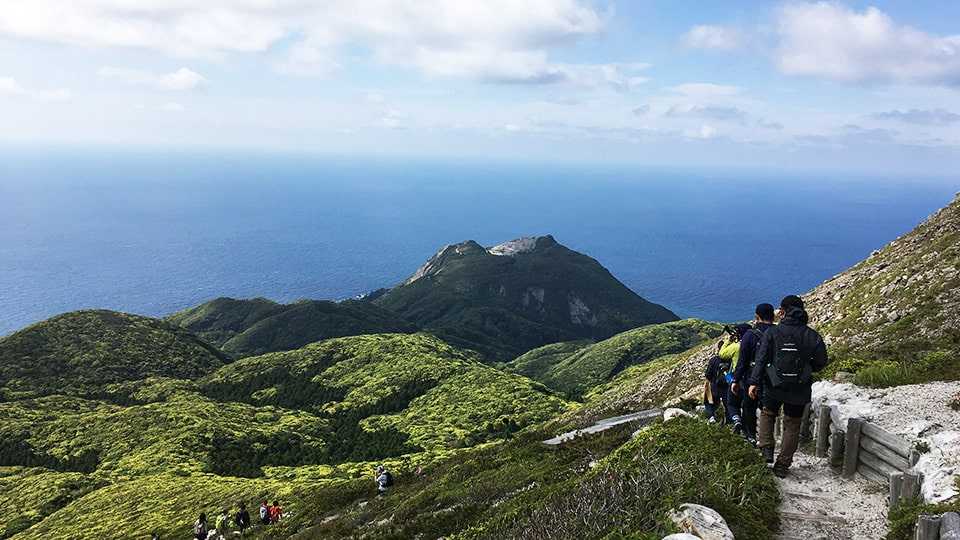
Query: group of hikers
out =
(227, 526)
(769, 366)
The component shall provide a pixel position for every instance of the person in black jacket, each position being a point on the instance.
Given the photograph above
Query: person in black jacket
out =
(744, 416)
(242, 518)
(788, 356)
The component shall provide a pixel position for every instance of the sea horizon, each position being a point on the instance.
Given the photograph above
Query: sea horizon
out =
(152, 232)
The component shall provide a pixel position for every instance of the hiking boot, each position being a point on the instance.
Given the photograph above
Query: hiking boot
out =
(752, 441)
(767, 452)
(737, 428)
(780, 470)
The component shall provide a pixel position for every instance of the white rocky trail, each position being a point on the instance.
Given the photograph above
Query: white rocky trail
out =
(820, 505)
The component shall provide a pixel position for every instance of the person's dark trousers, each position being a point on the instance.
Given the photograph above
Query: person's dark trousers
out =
(791, 429)
(719, 392)
(748, 408)
(734, 406)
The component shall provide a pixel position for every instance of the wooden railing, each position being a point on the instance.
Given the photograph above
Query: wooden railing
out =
(870, 451)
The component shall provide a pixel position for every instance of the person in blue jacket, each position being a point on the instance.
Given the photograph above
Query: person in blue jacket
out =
(744, 407)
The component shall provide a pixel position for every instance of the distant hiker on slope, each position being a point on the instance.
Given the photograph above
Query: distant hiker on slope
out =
(276, 512)
(200, 527)
(745, 407)
(789, 354)
(242, 518)
(264, 513)
(223, 522)
(384, 480)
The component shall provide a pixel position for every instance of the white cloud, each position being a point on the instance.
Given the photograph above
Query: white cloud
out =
(706, 36)
(829, 40)
(709, 112)
(705, 90)
(179, 80)
(173, 107)
(928, 117)
(11, 87)
(493, 40)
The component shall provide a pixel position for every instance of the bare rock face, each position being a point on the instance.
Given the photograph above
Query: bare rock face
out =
(701, 522)
(681, 536)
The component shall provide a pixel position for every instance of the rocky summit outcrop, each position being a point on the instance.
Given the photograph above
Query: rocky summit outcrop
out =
(901, 303)
(510, 298)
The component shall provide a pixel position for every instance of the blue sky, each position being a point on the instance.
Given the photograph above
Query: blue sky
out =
(794, 85)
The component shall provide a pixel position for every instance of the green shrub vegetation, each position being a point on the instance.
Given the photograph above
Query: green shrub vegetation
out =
(518, 489)
(77, 353)
(903, 517)
(258, 326)
(585, 367)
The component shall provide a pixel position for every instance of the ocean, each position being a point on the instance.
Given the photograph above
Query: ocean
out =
(153, 232)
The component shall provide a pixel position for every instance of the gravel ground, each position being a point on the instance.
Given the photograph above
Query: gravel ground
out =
(915, 412)
(819, 505)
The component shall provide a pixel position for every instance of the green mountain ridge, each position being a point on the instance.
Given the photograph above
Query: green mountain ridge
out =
(257, 326)
(508, 299)
(573, 368)
(78, 353)
(894, 318)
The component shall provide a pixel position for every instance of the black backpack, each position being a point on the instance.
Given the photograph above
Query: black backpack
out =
(791, 359)
(388, 481)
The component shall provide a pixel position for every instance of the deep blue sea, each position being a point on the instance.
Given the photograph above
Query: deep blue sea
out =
(153, 232)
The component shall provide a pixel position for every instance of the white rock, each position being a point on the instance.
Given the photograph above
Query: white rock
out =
(681, 536)
(701, 521)
(674, 413)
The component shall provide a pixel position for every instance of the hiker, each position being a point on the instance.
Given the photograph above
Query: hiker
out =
(200, 527)
(276, 512)
(264, 513)
(744, 407)
(242, 518)
(789, 354)
(222, 523)
(384, 480)
(716, 374)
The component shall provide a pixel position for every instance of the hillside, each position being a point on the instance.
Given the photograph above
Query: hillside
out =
(257, 326)
(508, 299)
(575, 367)
(80, 352)
(302, 425)
(894, 318)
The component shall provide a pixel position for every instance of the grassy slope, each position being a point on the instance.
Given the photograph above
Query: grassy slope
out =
(519, 489)
(77, 353)
(893, 318)
(573, 368)
(506, 305)
(416, 385)
(258, 326)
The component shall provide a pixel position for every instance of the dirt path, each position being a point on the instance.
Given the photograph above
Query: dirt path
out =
(819, 505)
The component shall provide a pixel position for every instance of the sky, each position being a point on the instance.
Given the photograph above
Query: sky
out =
(872, 86)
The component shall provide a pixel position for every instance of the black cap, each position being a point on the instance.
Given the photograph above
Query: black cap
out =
(765, 312)
(791, 301)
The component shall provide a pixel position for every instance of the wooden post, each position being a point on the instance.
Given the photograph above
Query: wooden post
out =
(823, 431)
(896, 482)
(836, 449)
(852, 447)
(950, 526)
(911, 485)
(928, 528)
